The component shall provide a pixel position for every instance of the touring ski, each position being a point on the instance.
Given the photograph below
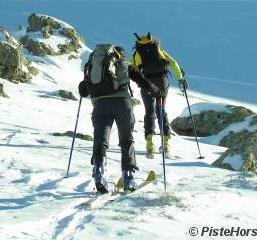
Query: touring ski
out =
(150, 178)
(103, 199)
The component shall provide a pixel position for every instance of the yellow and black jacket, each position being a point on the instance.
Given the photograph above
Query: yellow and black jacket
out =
(171, 62)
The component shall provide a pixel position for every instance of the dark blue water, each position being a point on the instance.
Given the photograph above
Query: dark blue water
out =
(212, 39)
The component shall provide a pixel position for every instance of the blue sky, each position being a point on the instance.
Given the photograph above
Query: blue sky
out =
(210, 39)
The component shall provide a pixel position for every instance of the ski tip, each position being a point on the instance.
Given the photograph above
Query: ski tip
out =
(119, 185)
(151, 176)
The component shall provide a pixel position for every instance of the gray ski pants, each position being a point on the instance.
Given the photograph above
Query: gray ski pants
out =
(105, 112)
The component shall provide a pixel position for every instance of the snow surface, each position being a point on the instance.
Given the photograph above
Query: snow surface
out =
(37, 203)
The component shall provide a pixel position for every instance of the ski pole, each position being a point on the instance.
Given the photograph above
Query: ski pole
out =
(74, 136)
(160, 103)
(196, 138)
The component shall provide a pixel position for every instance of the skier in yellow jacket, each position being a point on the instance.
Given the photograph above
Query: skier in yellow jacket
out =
(154, 62)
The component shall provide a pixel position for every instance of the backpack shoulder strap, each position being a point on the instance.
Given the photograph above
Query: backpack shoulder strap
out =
(87, 66)
(130, 90)
(137, 61)
(88, 60)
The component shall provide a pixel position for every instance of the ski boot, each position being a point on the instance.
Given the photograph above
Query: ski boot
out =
(100, 180)
(166, 147)
(129, 183)
(150, 148)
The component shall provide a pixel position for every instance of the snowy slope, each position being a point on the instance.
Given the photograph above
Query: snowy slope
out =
(37, 203)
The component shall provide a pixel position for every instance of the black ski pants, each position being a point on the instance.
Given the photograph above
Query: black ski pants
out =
(151, 108)
(105, 112)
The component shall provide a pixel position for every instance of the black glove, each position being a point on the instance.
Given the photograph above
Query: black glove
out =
(143, 82)
(83, 92)
(183, 84)
(155, 91)
(136, 76)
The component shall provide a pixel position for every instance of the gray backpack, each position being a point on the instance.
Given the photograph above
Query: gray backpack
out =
(105, 73)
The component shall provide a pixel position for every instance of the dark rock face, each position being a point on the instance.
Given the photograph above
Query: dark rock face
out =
(253, 121)
(47, 27)
(242, 152)
(13, 65)
(210, 122)
(37, 48)
(234, 138)
(135, 101)
(38, 22)
(2, 93)
(78, 135)
(66, 95)
(245, 148)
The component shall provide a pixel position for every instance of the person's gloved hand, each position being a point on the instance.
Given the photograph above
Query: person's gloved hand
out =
(83, 92)
(183, 84)
(145, 83)
(155, 91)
(136, 76)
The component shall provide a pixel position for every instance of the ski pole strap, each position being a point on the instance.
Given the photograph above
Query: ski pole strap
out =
(130, 90)
(170, 74)
(158, 102)
(181, 86)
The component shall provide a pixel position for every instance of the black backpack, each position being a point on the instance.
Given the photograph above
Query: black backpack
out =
(104, 74)
(153, 64)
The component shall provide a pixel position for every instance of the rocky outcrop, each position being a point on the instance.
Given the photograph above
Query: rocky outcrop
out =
(2, 93)
(242, 154)
(42, 28)
(78, 135)
(66, 95)
(210, 122)
(135, 101)
(36, 47)
(38, 22)
(253, 121)
(60, 95)
(241, 141)
(13, 65)
(233, 138)
(72, 57)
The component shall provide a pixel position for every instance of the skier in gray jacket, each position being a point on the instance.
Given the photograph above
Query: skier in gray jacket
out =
(116, 106)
